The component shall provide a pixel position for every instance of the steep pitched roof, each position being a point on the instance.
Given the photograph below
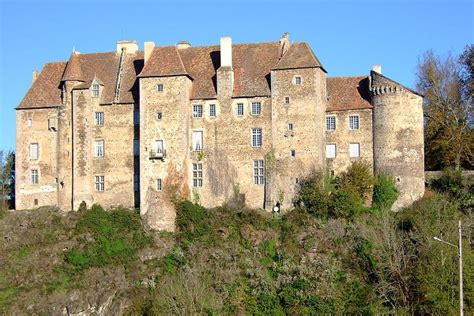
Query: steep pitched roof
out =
(164, 61)
(45, 91)
(381, 81)
(348, 93)
(251, 62)
(300, 55)
(73, 70)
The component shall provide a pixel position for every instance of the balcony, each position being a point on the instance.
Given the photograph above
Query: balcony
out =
(158, 154)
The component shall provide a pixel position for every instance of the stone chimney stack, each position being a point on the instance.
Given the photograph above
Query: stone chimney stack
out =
(377, 68)
(226, 51)
(149, 46)
(225, 74)
(183, 45)
(35, 75)
(284, 43)
(130, 47)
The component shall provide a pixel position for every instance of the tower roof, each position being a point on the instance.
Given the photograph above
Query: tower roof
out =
(73, 70)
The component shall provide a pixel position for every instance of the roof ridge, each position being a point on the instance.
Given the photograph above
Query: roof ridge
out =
(339, 77)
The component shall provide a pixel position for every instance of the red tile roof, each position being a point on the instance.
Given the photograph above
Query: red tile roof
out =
(45, 91)
(252, 64)
(348, 93)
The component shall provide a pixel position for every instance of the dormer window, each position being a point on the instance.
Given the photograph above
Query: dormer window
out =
(95, 90)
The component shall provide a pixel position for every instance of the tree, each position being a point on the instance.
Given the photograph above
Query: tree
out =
(446, 84)
(7, 180)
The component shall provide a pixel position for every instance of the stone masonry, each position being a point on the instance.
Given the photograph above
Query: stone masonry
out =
(212, 124)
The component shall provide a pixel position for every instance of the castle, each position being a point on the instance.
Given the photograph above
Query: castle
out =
(209, 123)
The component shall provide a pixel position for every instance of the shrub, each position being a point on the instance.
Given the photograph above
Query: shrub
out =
(117, 236)
(451, 183)
(357, 178)
(191, 220)
(346, 202)
(385, 192)
(313, 196)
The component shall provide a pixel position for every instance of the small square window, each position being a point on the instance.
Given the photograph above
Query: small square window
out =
(34, 151)
(293, 153)
(29, 122)
(256, 108)
(34, 176)
(290, 127)
(287, 100)
(330, 150)
(159, 116)
(159, 185)
(197, 110)
(159, 87)
(354, 150)
(99, 148)
(354, 122)
(95, 90)
(99, 118)
(240, 109)
(256, 137)
(297, 80)
(258, 172)
(197, 175)
(99, 183)
(212, 110)
(330, 123)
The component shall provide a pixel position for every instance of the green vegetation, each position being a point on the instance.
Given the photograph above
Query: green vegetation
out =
(232, 260)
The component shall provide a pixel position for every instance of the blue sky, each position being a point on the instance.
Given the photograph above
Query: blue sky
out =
(347, 36)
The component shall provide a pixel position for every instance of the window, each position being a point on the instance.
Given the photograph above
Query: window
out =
(29, 122)
(95, 90)
(99, 118)
(330, 123)
(99, 183)
(99, 148)
(197, 141)
(354, 150)
(258, 172)
(197, 110)
(287, 100)
(136, 147)
(34, 176)
(297, 80)
(159, 87)
(290, 127)
(212, 110)
(159, 116)
(136, 183)
(256, 137)
(136, 117)
(256, 108)
(240, 109)
(354, 122)
(197, 175)
(293, 153)
(159, 185)
(34, 151)
(330, 150)
(159, 147)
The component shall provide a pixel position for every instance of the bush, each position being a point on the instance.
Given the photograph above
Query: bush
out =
(357, 178)
(313, 196)
(451, 183)
(116, 237)
(191, 220)
(346, 202)
(385, 192)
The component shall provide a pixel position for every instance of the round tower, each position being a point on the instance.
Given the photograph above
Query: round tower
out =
(398, 136)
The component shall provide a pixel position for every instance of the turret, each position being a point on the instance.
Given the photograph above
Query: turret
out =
(398, 136)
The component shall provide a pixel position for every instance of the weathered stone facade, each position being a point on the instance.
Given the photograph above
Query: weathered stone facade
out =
(212, 124)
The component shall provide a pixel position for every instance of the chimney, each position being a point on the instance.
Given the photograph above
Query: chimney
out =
(183, 45)
(148, 49)
(225, 73)
(284, 43)
(35, 75)
(130, 46)
(377, 68)
(226, 51)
